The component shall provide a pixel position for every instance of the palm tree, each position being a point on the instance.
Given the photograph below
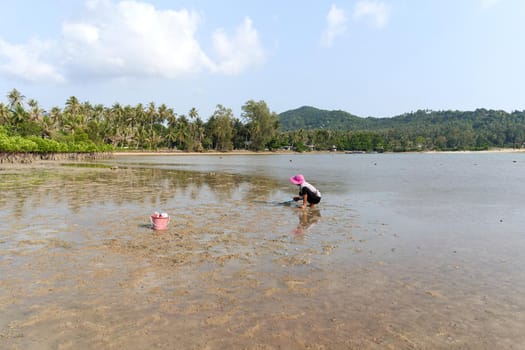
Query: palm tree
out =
(18, 117)
(163, 112)
(35, 112)
(193, 113)
(154, 139)
(129, 125)
(198, 134)
(183, 134)
(15, 98)
(116, 125)
(142, 121)
(95, 120)
(171, 136)
(55, 114)
(69, 121)
(48, 127)
(72, 105)
(196, 129)
(151, 114)
(5, 114)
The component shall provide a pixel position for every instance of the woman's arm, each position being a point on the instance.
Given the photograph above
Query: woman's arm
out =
(305, 200)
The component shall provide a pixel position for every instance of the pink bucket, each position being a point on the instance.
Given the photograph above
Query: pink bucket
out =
(159, 222)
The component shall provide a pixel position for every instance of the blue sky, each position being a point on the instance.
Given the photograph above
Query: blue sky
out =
(378, 58)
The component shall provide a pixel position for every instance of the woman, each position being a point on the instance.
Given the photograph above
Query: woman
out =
(307, 192)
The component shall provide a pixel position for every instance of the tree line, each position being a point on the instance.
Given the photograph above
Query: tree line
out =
(83, 127)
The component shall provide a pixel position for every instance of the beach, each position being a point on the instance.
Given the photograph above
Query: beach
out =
(241, 267)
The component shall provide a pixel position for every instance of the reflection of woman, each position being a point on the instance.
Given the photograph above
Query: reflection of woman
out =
(307, 192)
(306, 219)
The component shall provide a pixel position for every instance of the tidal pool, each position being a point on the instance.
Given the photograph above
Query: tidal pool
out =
(404, 252)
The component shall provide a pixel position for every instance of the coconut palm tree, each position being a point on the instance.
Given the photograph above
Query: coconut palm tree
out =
(196, 129)
(5, 114)
(171, 135)
(183, 134)
(55, 114)
(142, 124)
(152, 116)
(15, 98)
(18, 117)
(193, 113)
(95, 119)
(198, 134)
(72, 105)
(35, 112)
(68, 121)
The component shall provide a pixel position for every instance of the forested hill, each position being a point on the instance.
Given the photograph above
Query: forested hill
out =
(312, 118)
(420, 130)
(481, 120)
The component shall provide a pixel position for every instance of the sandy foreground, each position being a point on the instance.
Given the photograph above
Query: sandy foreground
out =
(81, 268)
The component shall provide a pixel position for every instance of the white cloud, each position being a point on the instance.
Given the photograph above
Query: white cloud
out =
(81, 32)
(239, 52)
(26, 62)
(336, 26)
(377, 11)
(132, 39)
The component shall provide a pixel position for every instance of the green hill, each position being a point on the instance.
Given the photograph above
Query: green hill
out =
(311, 118)
(308, 118)
(422, 129)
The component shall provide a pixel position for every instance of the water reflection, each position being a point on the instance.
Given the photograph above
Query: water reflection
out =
(307, 218)
(87, 205)
(75, 189)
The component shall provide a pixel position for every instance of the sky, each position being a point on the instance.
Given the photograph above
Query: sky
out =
(378, 58)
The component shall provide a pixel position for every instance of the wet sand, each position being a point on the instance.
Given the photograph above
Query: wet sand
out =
(81, 269)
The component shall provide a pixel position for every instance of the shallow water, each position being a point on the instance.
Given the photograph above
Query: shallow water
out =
(413, 251)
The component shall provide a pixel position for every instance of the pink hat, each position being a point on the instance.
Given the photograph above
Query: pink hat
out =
(297, 179)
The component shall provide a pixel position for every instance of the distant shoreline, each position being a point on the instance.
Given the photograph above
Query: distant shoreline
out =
(29, 160)
(243, 152)
(208, 153)
(495, 150)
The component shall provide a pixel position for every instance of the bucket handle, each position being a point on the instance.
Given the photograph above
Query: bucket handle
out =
(151, 219)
